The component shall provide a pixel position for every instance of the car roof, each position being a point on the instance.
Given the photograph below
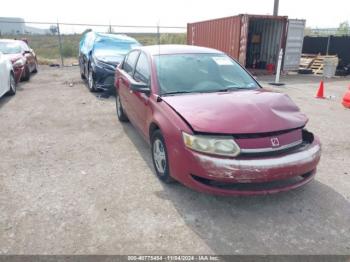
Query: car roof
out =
(177, 49)
(8, 40)
(13, 41)
(117, 37)
(112, 37)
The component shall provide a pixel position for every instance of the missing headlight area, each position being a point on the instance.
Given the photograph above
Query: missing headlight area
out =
(308, 137)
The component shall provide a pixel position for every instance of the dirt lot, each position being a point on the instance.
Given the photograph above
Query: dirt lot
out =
(74, 180)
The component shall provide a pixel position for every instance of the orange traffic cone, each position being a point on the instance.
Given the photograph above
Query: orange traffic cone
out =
(346, 99)
(320, 91)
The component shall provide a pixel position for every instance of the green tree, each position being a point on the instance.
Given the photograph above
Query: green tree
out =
(344, 28)
(53, 29)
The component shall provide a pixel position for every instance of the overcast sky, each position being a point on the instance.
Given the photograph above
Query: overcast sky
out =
(172, 12)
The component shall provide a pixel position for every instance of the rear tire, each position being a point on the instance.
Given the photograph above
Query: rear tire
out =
(12, 86)
(120, 110)
(160, 157)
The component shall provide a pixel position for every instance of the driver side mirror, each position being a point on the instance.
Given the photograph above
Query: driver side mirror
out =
(140, 87)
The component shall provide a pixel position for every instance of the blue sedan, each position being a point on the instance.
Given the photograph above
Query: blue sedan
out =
(99, 55)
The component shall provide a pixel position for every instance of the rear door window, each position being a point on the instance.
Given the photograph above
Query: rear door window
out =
(130, 61)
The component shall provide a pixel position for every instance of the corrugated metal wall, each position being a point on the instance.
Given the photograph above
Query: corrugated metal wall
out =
(271, 31)
(222, 34)
(294, 44)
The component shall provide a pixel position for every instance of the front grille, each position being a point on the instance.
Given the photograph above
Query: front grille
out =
(267, 134)
(276, 152)
(252, 135)
(307, 139)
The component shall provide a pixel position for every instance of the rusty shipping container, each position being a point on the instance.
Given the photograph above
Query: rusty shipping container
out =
(253, 40)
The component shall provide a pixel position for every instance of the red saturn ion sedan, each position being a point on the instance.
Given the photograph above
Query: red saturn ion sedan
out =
(22, 57)
(210, 125)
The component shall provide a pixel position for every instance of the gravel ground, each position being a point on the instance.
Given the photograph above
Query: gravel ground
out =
(74, 180)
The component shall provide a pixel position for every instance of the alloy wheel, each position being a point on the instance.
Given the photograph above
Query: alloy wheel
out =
(159, 156)
(91, 80)
(119, 106)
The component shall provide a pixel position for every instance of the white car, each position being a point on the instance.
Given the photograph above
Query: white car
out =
(7, 78)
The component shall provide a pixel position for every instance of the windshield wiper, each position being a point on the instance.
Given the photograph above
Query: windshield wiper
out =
(225, 89)
(229, 88)
(177, 92)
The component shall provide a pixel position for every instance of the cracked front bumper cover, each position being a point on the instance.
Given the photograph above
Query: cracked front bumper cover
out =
(254, 176)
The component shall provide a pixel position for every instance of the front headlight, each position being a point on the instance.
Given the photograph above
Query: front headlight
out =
(224, 146)
(18, 63)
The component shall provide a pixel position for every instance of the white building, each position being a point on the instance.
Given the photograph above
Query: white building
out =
(17, 26)
(12, 25)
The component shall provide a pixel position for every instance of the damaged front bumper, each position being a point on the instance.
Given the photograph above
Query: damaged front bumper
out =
(253, 176)
(103, 74)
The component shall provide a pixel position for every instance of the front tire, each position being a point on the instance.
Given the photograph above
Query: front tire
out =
(160, 157)
(26, 73)
(36, 68)
(82, 71)
(120, 110)
(12, 85)
(91, 81)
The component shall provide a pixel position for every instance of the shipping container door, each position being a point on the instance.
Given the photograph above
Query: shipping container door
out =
(243, 41)
(294, 44)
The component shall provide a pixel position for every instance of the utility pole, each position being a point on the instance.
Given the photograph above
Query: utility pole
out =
(60, 42)
(110, 28)
(275, 8)
(158, 33)
(328, 44)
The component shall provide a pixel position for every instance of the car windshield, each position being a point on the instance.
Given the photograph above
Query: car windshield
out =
(10, 48)
(195, 73)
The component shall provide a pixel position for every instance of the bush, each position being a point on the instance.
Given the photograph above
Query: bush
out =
(69, 50)
(173, 39)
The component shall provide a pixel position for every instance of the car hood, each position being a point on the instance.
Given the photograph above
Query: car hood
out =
(238, 112)
(13, 57)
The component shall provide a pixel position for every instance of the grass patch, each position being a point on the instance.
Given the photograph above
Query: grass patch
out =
(47, 47)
